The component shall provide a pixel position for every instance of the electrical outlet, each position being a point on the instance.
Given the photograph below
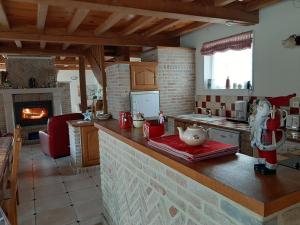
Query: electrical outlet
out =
(295, 104)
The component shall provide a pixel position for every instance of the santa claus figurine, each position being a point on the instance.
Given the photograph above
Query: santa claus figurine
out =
(266, 136)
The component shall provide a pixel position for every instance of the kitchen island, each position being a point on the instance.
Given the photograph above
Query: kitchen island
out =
(143, 185)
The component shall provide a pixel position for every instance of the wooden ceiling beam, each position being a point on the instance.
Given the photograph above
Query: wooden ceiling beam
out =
(38, 51)
(3, 17)
(258, 4)
(41, 16)
(220, 3)
(161, 26)
(193, 11)
(18, 43)
(188, 29)
(77, 19)
(108, 23)
(68, 61)
(42, 12)
(137, 24)
(43, 45)
(133, 40)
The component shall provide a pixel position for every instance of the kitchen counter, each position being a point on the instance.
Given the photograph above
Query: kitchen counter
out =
(80, 123)
(84, 148)
(226, 179)
(5, 149)
(293, 136)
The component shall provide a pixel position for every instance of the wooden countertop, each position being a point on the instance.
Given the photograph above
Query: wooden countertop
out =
(80, 123)
(232, 176)
(293, 136)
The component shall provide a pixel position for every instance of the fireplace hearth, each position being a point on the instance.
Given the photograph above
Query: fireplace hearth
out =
(32, 112)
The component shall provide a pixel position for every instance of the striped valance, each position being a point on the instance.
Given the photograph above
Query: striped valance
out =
(235, 42)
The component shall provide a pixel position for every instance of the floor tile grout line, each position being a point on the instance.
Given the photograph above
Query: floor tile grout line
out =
(68, 193)
(33, 187)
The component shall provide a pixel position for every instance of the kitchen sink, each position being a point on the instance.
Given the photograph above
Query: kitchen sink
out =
(201, 117)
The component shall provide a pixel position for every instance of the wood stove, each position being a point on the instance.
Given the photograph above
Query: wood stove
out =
(33, 112)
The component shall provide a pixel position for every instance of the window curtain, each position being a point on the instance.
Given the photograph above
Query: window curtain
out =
(235, 42)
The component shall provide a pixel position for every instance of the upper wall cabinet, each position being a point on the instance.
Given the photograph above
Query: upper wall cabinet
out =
(143, 76)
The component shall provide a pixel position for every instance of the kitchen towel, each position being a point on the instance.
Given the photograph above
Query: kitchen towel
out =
(210, 149)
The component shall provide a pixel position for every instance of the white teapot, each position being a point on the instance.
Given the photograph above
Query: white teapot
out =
(193, 135)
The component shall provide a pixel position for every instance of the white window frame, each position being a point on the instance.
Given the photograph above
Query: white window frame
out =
(208, 60)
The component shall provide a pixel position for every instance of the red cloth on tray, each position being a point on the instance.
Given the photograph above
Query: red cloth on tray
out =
(210, 149)
(281, 100)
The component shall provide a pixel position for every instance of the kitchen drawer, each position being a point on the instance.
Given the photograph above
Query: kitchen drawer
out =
(225, 136)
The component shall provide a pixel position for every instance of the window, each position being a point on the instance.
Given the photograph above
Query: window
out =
(231, 58)
(237, 65)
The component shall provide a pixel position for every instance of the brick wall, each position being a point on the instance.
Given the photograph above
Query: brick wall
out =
(176, 81)
(136, 189)
(118, 88)
(75, 146)
(66, 98)
(176, 78)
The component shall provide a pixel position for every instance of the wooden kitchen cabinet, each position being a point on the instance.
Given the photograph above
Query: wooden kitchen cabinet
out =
(90, 146)
(143, 76)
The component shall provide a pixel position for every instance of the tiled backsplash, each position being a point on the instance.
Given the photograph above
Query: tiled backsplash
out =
(214, 102)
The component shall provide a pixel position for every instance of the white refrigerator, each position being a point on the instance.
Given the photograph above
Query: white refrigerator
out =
(146, 102)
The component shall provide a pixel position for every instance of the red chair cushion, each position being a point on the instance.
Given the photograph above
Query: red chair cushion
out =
(59, 134)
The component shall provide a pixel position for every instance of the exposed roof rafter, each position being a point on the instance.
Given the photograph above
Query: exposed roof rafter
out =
(162, 9)
(109, 22)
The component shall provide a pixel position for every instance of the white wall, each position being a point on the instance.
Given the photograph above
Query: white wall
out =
(72, 76)
(276, 69)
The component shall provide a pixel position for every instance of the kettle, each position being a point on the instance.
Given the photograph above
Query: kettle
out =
(193, 135)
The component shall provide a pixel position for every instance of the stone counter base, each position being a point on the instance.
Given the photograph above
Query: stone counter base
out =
(138, 190)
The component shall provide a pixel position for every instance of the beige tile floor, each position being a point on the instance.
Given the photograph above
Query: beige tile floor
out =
(52, 194)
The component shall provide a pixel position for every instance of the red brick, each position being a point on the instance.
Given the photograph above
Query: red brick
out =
(228, 113)
(173, 211)
(208, 98)
(294, 110)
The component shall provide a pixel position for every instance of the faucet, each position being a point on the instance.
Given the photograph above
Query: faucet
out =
(208, 112)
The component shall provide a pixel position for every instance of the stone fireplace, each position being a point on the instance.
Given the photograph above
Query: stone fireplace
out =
(27, 103)
(31, 107)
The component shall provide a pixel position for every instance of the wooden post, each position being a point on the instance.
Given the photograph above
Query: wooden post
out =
(83, 96)
(104, 82)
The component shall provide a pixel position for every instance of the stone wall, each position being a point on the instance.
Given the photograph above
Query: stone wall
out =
(118, 88)
(176, 78)
(21, 69)
(136, 189)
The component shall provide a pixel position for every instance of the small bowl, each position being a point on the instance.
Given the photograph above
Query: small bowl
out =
(138, 123)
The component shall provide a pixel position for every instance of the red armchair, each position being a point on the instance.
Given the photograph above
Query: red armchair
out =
(55, 141)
